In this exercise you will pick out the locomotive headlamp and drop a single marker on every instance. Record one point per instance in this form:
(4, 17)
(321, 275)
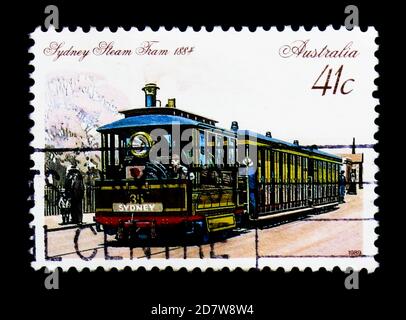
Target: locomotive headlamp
(140, 144)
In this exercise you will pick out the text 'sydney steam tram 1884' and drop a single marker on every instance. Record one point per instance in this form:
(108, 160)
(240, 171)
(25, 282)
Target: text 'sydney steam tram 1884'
(164, 169)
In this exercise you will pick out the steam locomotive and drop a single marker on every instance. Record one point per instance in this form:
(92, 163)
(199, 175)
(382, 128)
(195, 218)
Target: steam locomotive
(168, 170)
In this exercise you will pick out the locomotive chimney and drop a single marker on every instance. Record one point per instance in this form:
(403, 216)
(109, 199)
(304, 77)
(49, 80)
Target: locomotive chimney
(150, 90)
(268, 134)
(234, 126)
(171, 103)
(296, 142)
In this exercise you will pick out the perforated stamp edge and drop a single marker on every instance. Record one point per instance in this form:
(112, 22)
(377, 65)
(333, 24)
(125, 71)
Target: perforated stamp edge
(287, 264)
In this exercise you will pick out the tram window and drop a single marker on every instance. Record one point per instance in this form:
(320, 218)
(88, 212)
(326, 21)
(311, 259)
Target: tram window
(285, 168)
(265, 161)
(111, 149)
(127, 148)
(219, 151)
(187, 150)
(196, 146)
(337, 170)
(108, 145)
(259, 165)
(329, 172)
(299, 169)
(231, 151)
(268, 166)
(210, 145)
(116, 151)
(187, 157)
(168, 141)
(176, 147)
(290, 159)
(103, 143)
(276, 166)
(335, 173)
(282, 167)
(319, 171)
(122, 151)
(315, 171)
(202, 148)
(305, 169)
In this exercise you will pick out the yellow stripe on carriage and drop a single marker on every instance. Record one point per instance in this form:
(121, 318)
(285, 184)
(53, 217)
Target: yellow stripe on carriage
(220, 222)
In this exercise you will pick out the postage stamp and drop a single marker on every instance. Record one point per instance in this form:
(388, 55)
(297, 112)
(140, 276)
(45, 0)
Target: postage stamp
(235, 149)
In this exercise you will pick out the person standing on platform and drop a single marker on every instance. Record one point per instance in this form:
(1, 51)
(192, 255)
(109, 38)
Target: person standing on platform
(75, 191)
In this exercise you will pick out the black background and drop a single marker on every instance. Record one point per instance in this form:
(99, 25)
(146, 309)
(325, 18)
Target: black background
(131, 294)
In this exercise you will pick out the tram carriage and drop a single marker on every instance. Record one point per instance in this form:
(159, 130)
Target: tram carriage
(165, 169)
(290, 178)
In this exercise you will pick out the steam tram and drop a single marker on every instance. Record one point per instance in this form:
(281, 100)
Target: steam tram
(165, 169)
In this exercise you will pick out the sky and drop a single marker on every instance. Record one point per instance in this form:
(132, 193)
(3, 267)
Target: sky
(229, 76)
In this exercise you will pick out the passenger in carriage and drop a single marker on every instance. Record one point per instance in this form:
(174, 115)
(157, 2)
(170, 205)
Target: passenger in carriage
(179, 171)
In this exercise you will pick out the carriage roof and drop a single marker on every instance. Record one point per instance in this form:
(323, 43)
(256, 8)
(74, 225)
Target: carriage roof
(148, 117)
(281, 143)
(146, 121)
